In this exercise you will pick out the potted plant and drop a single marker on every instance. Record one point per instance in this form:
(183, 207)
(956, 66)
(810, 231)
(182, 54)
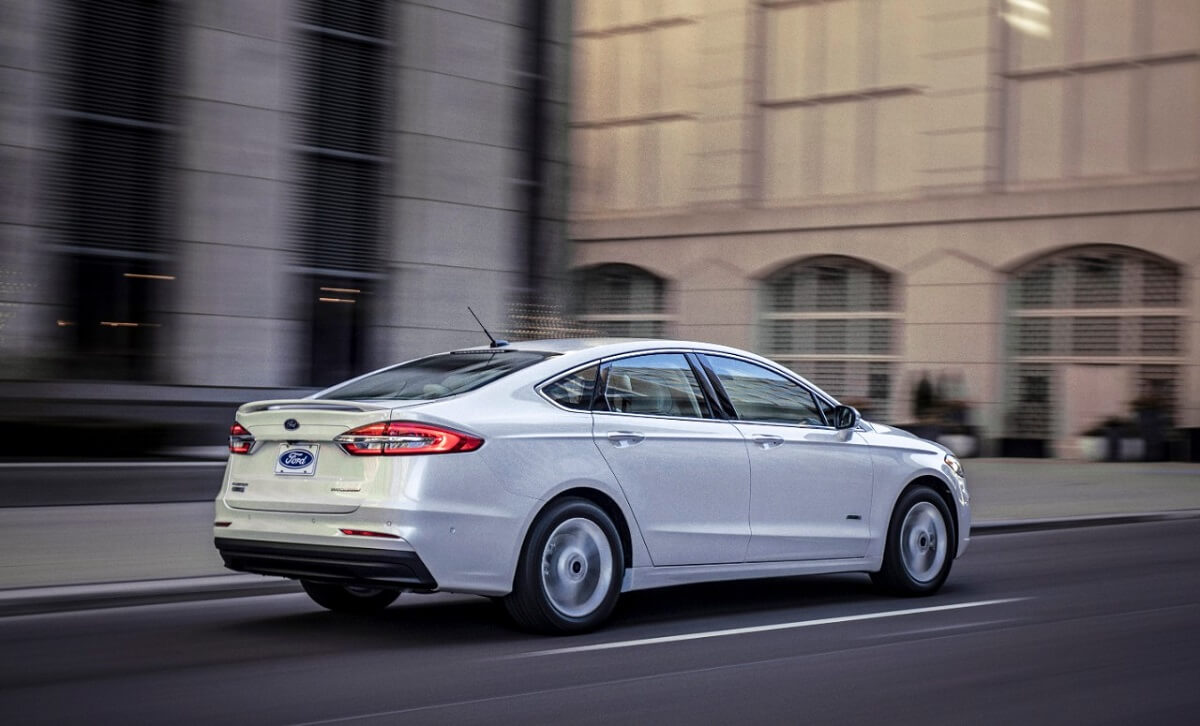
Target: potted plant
(1092, 444)
(1152, 412)
(959, 438)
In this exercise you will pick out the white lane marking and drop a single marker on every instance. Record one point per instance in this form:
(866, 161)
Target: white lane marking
(766, 628)
(940, 628)
(105, 464)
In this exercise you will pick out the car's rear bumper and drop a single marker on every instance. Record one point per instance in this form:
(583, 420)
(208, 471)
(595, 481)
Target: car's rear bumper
(319, 563)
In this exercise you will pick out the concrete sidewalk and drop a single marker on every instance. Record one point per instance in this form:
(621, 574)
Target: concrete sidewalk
(109, 552)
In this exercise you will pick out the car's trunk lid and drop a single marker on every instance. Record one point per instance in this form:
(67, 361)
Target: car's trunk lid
(295, 465)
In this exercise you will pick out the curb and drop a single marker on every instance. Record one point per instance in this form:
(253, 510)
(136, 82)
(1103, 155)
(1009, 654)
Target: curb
(1006, 526)
(61, 598)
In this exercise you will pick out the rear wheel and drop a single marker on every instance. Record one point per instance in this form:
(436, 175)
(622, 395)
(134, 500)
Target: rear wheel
(569, 575)
(349, 598)
(920, 544)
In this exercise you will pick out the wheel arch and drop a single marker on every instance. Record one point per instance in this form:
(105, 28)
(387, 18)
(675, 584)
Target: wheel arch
(942, 487)
(602, 500)
(595, 496)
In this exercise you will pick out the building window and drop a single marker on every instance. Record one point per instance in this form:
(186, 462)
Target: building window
(1092, 306)
(1107, 90)
(343, 171)
(833, 319)
(624, 301)
(634, 113)
(109, 197)
(839, 98)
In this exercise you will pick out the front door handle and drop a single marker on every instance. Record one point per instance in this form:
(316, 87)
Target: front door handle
(767, 441)
(621, 439)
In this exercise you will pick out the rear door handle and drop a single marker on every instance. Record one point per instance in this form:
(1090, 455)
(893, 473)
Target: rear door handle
(767, 441)
(621, 439)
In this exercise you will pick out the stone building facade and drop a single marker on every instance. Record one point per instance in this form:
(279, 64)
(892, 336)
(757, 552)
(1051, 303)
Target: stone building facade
(1002, 197)
(272, 193)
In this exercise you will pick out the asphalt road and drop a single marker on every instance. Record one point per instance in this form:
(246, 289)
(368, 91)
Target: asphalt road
(1092, 626)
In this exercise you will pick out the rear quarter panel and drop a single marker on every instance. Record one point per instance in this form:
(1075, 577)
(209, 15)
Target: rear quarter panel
(537, 450)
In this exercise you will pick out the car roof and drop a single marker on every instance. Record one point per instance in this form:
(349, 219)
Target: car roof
(593, 347)
(570, 352)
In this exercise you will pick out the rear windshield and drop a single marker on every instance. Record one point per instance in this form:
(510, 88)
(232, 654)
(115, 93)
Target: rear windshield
(436, 377)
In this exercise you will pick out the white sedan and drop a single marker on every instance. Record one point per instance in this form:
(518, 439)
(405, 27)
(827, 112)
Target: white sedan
(557, 474)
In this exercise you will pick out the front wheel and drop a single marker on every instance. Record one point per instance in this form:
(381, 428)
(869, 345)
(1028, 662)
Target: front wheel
(570, 572)
(920, 545)
(349, 598)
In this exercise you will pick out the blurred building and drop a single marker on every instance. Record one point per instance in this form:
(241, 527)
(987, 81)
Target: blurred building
(271, 193)
(1002, 196)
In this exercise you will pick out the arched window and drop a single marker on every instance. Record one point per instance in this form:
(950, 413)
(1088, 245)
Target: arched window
(623, 301)
(833, 319)
(1093, 332)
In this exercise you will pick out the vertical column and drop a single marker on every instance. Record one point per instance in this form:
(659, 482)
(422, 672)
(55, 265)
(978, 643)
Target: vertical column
(954, 317)
(233, 323)
(460, 157)
(27, 318)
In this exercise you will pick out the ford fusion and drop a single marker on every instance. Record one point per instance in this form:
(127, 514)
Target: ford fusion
(555, 475)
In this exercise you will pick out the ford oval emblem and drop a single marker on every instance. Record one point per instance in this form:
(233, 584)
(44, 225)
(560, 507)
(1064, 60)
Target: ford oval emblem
(291, 424)
(295, 459)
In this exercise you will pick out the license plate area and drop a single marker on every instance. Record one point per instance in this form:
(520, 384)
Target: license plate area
(296, 459)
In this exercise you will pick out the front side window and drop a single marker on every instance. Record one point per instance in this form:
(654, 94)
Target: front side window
(437, 376)
(573, 390)
(661, 384)
(760, 394)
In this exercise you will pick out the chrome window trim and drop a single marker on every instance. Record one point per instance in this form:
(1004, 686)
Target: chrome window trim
(817, 398)
(786, 373)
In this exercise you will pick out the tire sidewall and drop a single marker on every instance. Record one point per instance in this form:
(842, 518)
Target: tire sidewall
(893, 564)
(530, 575)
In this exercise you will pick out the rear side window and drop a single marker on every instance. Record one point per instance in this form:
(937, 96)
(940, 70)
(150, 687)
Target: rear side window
(573, 390)
(661, 384)
(435, 377)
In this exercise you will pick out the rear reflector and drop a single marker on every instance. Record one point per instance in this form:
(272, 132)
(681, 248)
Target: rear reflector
(240, 439)
(401, 438)
(222, 524)
(368, 533)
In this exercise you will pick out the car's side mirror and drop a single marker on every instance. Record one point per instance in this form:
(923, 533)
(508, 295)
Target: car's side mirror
(845, 417)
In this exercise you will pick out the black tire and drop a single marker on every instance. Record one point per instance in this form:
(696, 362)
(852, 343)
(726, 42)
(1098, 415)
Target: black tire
(580, 530)
(912, 565)
(348, 598)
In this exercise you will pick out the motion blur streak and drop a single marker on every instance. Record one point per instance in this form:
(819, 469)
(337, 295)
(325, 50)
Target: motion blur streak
(1110, 633)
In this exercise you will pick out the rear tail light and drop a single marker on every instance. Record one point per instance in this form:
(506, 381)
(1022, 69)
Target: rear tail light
(240, 440)
(400, 438)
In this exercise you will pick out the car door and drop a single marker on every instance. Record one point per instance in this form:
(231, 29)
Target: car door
(685, 473)
(810, 484)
